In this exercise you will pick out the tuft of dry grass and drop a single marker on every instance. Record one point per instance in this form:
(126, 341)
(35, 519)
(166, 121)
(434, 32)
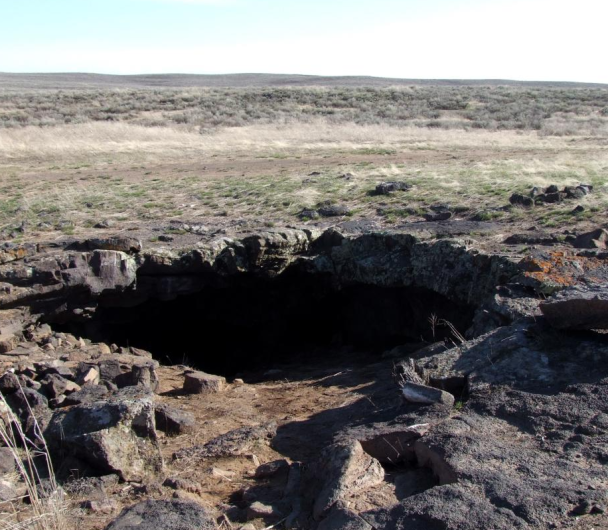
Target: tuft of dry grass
(47, 505)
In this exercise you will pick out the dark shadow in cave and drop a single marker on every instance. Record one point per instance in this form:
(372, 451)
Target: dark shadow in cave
(244, 322)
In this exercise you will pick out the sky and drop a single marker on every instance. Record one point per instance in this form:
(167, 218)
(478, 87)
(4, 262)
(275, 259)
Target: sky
(543, 40)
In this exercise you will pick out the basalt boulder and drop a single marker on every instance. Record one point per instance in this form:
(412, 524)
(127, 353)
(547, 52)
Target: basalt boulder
(578, 308)
(113, 436)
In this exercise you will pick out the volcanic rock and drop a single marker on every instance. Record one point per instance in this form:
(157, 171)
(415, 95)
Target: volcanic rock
(341, 470)
(578, 308)
(202, 383)
(384, 188)
(163, 515)
(521, 200)
(119, 243)
(417, 393)
(594, 239)
(116, 436)
(333, 210)
(173, 421)
(233, 443)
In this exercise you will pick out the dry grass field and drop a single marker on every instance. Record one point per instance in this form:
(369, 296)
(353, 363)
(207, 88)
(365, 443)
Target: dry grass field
(256, 157)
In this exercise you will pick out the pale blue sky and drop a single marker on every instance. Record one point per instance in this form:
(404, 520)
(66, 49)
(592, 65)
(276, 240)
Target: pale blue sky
(516, 39)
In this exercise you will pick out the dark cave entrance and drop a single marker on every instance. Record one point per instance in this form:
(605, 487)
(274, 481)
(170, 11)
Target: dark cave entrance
(244, 322)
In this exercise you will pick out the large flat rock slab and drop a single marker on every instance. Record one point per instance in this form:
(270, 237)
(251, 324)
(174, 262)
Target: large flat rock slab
(578, 308)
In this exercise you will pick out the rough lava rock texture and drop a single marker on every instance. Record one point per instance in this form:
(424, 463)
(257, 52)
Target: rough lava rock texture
(163, 515)
(117, 435)
(578, 308)
(342, 469)
(530, 446)
(233, 443)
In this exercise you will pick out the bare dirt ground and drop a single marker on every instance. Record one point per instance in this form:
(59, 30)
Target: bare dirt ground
(309, 399)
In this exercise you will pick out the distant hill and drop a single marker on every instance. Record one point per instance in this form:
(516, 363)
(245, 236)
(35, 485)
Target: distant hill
(69, 81)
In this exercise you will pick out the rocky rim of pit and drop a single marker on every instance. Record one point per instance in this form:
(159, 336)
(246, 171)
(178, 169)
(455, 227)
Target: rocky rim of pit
(502, 425)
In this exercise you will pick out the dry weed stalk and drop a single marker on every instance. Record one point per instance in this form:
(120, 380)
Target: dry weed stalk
(47, 508)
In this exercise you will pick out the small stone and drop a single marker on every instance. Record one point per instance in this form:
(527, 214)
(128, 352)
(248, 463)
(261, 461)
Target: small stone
(595, 239)
(9, 383)
(417, 393)
(57, 402)
(106, 506)
(574, 192)
(8, 342)
(8, 491)
(29, 383)
(109, 370)
(106, 223)
(88, 394)
(103, 348)
(173, 421)
(552, 198)
(579, 209)
(264, 511)
(185, 496)
(55, 385)
(333, 210)
(271, 469)
(521, 200)
(222, 473)
(39, 334)
(143, 374)
(308, 213)
(254, 459)
(7, 460)
(140, 353)
(385, 188)
(182, 484)
(202, 383)
(441, 216)
(238, 381)
(91, 376)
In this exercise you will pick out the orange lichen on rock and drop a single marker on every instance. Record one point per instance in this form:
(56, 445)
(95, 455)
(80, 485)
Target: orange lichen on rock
(560, 268)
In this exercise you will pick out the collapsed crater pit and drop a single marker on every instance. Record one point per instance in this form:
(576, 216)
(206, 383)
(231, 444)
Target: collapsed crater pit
(249, 322)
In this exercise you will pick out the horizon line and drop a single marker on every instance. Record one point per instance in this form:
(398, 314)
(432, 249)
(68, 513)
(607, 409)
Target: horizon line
(317, 76)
